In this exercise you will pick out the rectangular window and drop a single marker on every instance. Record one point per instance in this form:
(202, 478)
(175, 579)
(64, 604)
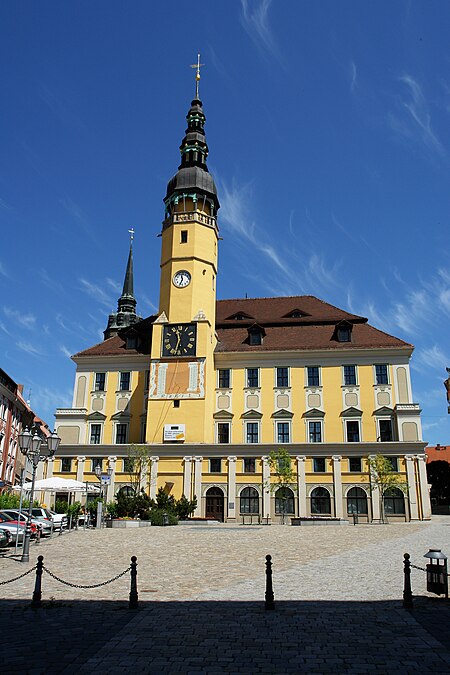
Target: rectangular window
(319, 465)
(255, 337)
(252, 435)
(394, 463)
(100, 380)
(96, 432)
(215, 465)
(124, 381)
(385, 431)
(381, 374)
(96, 461)
(352, 427)
(354, 464)
(282, 377)
(252, 377)
(184, 236)
(128, 465)
(223, 432)
(66, 465)
(283, 432)
(315, 432)
(250, 465)
(313, 376)
(121, 433)
(224, 378)
(349, 375)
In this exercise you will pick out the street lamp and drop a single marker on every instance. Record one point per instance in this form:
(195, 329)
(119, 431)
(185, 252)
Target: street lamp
(30, 446)
(98, 473)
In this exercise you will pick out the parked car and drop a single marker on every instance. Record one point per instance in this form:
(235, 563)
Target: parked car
(22, 518)
(41, 513)
(16, 530)
(5, 537)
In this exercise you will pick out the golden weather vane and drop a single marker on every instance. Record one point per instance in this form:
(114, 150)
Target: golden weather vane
(197, 65)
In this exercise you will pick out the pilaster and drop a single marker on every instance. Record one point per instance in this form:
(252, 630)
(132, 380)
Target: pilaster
(231, 488)
(153, 476)
(337, 481)
(198, 485)
(80, 468)
(266, 487)
(412, 491)
(187, 473)
(423, 487)
(301, 486)
(376, 515)
(112, 461)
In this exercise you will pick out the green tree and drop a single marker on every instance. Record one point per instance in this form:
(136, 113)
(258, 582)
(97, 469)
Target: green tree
(136, 464)
(281, 471)
(385, 479)
(185, 507)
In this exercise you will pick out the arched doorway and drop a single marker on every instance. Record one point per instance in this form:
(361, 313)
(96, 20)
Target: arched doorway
(214, 504)
(357, 502)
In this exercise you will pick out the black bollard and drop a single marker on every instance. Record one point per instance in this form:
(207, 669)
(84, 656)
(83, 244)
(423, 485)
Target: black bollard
(37, 593)
(269, 604)
(407, 594)
(133, 602)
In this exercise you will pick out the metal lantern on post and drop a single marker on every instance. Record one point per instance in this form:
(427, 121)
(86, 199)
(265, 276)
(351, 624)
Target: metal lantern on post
(30, 446)
(437, 579)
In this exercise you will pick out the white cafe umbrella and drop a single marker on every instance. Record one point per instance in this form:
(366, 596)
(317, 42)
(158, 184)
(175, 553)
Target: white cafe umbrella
(59, 485)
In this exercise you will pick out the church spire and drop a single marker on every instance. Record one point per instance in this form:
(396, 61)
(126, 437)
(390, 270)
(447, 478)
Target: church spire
(126, 305)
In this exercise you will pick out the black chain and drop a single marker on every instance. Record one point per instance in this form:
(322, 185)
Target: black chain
(104, 583)
(9, 581)
(422, 569)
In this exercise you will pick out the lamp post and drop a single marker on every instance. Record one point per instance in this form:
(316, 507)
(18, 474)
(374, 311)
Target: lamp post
(98, 473)
(30, 446)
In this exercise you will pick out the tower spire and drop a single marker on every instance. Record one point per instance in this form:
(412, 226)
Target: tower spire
(126, 305)
(197, 66)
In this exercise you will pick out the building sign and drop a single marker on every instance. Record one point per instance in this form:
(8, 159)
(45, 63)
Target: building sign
(105, 479)
(174, 432)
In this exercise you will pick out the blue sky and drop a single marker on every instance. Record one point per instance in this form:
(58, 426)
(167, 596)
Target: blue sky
(328, 129)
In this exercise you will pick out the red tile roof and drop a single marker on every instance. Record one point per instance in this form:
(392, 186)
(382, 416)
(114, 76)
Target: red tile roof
(315, 329)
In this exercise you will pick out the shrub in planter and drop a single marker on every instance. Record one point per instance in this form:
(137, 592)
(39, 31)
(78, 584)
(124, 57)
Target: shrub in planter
(156, 517)
(185, 507)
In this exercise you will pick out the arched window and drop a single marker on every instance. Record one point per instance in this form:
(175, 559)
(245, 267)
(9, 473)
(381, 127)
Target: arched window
(284, 501)
(394, 502)
(320, 501)
(126, 491)
(249, 500)
(357, 501)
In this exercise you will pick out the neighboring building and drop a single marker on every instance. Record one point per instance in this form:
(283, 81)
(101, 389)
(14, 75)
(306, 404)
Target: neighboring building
(213, 386)
(438, 453)
(15, 413)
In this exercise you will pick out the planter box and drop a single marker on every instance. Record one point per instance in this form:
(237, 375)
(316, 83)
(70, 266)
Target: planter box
(128, 523)
(318, 520)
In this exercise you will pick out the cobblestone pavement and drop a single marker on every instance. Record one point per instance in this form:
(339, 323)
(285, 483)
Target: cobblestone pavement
(201, 590)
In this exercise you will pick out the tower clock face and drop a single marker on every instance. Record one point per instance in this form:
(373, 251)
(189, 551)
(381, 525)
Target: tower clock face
(179, 340)
(181, 279)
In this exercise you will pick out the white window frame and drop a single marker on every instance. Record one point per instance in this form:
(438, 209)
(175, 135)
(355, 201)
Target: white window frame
(282, 386)
(375, 374)
(314, 365)
(127, 426)
(352, 419)
(288, 422)
(218, 378)
(258, 423)
(347, 365)
(119, 378)
(247, 386)
(385, 419)
(217, 432)
(322, 426)
(100, 424)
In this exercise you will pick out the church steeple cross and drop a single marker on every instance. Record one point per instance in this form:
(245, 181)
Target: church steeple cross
(197, 65)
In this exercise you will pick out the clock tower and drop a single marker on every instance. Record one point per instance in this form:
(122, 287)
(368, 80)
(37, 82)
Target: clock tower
(181, 383)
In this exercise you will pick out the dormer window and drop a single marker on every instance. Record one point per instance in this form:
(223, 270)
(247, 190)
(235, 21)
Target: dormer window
(255, 335)
(131, 342)
(296, 314)
(343, 332)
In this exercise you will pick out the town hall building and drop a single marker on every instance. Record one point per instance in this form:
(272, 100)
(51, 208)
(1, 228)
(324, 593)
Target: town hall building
(211, 387)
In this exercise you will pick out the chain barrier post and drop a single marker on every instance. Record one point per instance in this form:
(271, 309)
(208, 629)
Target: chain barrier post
(407, 594)
(133, 601)
(269, 597)
(38, 535)
(37, 594)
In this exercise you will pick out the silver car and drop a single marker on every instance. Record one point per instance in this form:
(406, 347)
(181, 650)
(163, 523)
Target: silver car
(58, 519)
(16, 530)
(45, 527)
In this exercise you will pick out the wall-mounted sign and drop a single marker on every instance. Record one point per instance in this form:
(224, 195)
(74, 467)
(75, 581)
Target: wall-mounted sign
(174, 432)
(105, 479)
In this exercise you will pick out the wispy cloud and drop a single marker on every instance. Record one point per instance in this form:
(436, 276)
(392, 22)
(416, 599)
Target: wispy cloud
(3, 271)
(52, 284)
(145, 300)
(25, 320)
(97, 292)
(65, 351)
(77, 214)
(5, 206)
(117, 288)
(28, 348)
(412, 118)
(63, 110)
(255, 20)
(4, 329)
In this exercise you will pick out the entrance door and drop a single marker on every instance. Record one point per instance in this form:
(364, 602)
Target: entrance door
(214, 504)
